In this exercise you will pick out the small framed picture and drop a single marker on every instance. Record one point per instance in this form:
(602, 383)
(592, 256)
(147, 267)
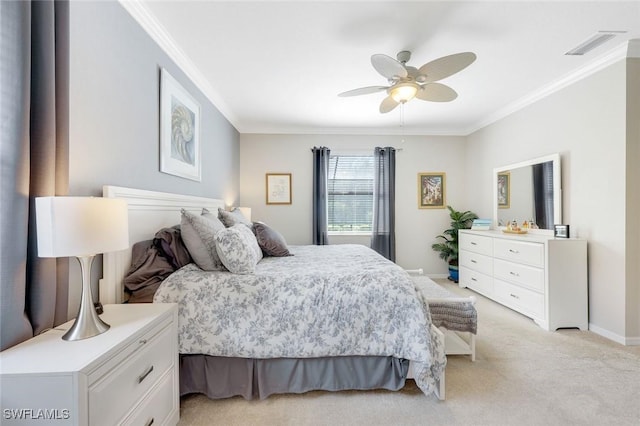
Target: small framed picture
(504, 190)
(278, 188)
(561, 231)
(431, 190)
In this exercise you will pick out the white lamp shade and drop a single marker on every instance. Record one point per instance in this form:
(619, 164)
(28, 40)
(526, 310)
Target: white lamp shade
(246, 212)
(81, 226)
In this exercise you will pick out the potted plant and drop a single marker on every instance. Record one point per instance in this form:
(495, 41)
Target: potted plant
(448, 245)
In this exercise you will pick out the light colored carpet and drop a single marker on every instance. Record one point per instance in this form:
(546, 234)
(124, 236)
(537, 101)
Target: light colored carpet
(522, 375)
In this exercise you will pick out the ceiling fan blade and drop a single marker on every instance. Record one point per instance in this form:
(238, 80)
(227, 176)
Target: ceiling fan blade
(388, 67)
(436, 92)
(363, 91)
(446, 66)
(388, 104)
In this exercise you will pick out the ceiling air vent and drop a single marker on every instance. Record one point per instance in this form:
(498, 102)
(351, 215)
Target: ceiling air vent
(594, 41)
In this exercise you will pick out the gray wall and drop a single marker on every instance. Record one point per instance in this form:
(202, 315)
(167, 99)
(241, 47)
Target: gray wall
(114, 120)
(114, 111)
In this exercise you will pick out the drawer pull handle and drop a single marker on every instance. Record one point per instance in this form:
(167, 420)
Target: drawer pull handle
(514, 251)
(514, 296)
(473, 243)
(143, 341)
(515, 274)
(473, 279)
(145, 374)
(473, 261)
(150, 422)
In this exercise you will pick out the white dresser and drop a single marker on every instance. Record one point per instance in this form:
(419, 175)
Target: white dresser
(542, 277)
(127, 375)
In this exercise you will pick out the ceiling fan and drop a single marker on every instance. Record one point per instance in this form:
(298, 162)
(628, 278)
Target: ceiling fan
(407, 82)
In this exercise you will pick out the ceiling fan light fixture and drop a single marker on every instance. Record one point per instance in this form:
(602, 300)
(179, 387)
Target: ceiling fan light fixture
(404, 92)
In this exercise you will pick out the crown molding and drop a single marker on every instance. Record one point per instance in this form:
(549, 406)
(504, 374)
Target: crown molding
(623, 51)
(161, 36)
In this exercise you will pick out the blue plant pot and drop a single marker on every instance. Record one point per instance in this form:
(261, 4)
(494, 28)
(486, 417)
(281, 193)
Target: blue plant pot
(453, 274)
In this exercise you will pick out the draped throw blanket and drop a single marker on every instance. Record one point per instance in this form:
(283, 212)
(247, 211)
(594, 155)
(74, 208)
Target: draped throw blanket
(383, 239)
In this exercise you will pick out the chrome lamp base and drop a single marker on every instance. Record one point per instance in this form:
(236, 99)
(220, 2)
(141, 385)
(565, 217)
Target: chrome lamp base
(87, 323)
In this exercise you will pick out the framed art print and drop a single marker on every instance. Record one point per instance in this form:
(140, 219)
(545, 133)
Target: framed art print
(504, 190)
(278, 188)
(431, 190)
(179, 130)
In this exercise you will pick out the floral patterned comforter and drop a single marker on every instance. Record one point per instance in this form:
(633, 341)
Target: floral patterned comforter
(334, 300)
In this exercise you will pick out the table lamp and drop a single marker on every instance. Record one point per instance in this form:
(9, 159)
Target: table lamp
(82, 227)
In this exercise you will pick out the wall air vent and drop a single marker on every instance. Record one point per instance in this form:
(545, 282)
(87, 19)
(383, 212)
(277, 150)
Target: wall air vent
(594, 41)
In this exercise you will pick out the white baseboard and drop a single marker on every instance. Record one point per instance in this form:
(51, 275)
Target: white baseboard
(626, 341)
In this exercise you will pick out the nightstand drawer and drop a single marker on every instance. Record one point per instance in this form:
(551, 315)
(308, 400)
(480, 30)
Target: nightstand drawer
(111, 397)
(526, 276)
(476, 262)
(158, 405)
(476, 243)
(519, 251)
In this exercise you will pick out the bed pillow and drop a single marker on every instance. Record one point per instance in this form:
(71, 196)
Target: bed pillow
(198, 234)
(212, 217)
(270, 241)
(233, 217)
(238, 249)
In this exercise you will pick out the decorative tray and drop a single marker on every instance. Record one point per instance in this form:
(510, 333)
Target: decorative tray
(510, 231)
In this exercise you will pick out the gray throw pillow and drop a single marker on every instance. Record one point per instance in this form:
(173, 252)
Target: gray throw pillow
(238, 249)
(198, 234)
(233, 217)
(212, 217)
(270, 241)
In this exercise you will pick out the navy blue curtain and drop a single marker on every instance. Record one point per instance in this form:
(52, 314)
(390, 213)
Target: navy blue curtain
(320, 180)
(383, 238)
(543, 194)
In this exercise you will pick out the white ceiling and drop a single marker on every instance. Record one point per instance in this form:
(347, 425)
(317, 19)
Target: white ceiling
(277, 67)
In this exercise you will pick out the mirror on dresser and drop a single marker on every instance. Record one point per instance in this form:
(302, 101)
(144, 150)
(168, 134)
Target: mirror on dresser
(530, 190)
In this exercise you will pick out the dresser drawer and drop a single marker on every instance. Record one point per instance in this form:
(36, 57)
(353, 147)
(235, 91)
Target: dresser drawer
(476, 262)
(519, 251)
(476, 281)
(476, 243)
(528, 302)
(156, 407)
(145, 360)
(527, 276)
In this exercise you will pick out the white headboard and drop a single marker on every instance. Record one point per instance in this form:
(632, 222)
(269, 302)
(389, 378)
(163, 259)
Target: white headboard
(149, 211)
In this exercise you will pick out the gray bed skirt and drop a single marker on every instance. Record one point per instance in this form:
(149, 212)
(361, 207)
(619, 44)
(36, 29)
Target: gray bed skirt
(220, 377)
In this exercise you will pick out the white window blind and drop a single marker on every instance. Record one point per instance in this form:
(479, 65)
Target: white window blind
(350, 193)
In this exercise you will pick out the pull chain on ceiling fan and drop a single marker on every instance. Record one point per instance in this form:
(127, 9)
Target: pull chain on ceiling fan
(407, 82)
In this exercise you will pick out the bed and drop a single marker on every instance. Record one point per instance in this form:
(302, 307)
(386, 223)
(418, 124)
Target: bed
(379, 340)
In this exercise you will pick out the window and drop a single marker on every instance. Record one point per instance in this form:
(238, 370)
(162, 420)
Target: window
(350, 193)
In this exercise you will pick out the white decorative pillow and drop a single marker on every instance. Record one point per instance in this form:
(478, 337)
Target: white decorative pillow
(198, 234)
(238, 249)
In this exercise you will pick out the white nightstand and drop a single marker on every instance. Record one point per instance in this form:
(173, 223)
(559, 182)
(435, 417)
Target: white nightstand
(127, 375)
